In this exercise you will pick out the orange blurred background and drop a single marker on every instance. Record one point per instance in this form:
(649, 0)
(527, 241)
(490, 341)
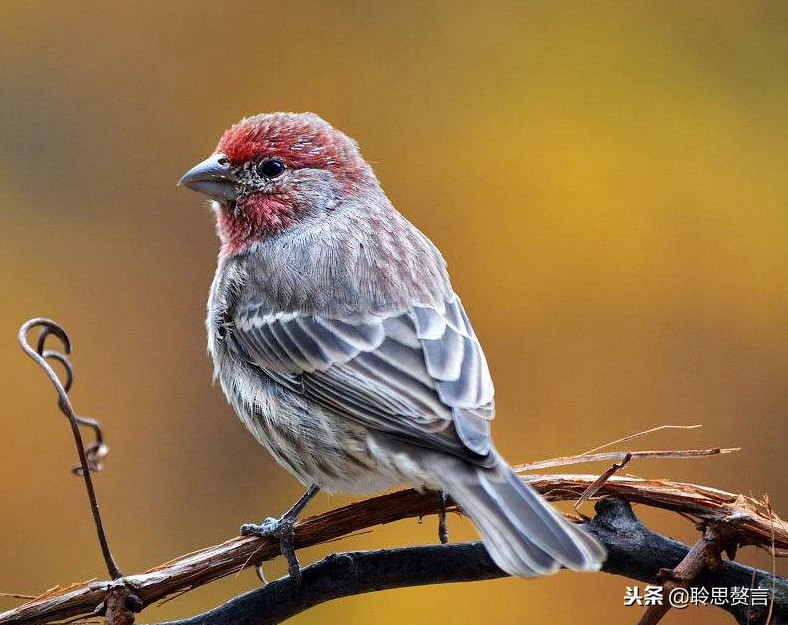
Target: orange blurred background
(607, 182)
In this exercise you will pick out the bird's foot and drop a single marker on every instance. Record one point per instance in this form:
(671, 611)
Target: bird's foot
(283, 529)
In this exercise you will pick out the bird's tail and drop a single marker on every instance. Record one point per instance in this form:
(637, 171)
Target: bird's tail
(524, 535)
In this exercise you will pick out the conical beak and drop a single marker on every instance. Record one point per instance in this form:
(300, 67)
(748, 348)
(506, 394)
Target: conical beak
(213, 177)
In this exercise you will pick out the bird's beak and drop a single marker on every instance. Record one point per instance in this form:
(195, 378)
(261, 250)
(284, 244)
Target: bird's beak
(213, 177)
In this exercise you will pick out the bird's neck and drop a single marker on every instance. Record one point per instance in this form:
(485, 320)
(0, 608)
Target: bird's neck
(252, 219)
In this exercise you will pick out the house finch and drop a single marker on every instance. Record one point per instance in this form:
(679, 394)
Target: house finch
(338, 339)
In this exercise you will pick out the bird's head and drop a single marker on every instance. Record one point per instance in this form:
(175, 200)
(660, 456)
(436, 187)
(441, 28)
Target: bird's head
(271, 171)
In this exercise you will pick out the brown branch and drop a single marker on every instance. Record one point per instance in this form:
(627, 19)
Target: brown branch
(633, 551)
(593, 489)
(750, 519)
(705, 554)
(620, 456)
(121, 598)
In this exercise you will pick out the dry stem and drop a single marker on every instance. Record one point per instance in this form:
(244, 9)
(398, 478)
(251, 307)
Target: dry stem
(751, 519)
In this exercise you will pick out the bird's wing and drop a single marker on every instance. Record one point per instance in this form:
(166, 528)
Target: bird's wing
(419, 374)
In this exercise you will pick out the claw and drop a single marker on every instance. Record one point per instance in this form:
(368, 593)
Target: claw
(282, 528)
(258, 568)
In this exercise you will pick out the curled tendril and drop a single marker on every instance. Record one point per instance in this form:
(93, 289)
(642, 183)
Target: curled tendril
(96, 452)
(90, 457)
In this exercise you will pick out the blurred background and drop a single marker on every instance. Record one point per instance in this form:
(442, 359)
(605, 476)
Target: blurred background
(608, 184)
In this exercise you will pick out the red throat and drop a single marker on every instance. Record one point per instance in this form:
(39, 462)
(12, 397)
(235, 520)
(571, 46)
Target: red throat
(255, 217)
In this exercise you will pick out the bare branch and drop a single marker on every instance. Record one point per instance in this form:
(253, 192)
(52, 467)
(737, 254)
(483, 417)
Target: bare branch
(89, 457)
(634, 552)
(632, 549)
(620, 456)
(589, 492)
(704, 554)
(746, 515)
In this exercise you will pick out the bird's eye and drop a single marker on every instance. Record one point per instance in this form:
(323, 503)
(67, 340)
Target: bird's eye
(271, 168)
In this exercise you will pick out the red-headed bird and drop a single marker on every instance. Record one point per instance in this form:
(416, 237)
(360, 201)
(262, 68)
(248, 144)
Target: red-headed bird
(337, 337)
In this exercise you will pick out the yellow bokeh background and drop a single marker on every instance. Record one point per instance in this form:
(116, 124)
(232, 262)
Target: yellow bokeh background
(606, 180)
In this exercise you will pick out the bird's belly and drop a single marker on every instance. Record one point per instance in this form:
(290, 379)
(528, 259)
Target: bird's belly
(316, 446)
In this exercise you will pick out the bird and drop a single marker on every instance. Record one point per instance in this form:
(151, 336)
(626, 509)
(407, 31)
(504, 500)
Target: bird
(339, 341)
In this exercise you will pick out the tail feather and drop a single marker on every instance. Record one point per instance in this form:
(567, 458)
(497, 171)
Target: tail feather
(524, 534)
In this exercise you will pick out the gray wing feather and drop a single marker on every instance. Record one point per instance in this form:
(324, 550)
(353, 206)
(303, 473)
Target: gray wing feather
(336, 349)
(418, 374)
(365, 335)
(444, 356)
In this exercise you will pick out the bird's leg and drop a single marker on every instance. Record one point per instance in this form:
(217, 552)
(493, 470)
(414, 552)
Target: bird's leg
(443, 530)
(282, 528)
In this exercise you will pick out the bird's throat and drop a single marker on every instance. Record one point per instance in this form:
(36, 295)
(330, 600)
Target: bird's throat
(251, 219)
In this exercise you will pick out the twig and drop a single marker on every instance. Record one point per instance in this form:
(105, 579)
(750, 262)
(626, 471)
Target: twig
(613, 456)
(600, 481)
(40, 356)
(120, 599)
(704, 554)
(643, 433)
(96, 452)
(634, 551)
(201, 567)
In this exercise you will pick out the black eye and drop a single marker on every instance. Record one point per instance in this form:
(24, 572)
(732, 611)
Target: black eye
(271, 168)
